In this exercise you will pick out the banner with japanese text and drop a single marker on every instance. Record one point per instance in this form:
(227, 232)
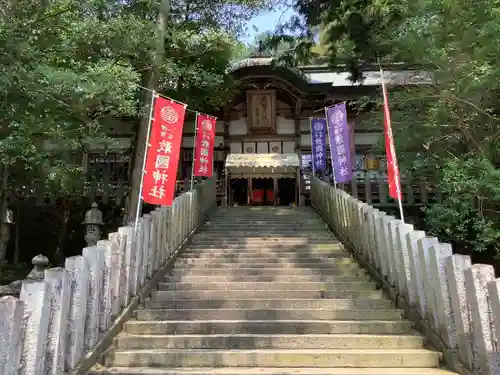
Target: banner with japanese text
(162, 158)
(318, 138)
(204, 146)
(340, 139)
(393, 178)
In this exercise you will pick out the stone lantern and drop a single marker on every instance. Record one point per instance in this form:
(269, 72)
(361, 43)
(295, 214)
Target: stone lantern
(93, 222)
(5, 233)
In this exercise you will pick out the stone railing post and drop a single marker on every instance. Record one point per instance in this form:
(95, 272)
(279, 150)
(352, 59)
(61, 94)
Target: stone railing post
(477, 278)
(63, 313)
(79, 275)
(457, 301)
(455, 273)
(58, 280)
(36, 296)
(12, 332)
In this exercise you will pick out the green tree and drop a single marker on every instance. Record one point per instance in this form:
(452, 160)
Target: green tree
(448, 131)
(65, 72)
(453, 124)
(195, 41)
(69, 68)
(62, 78)
(261, 45)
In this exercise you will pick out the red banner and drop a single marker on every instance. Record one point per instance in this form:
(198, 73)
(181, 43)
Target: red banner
(204, 146)
(162, 158)
(392, 161)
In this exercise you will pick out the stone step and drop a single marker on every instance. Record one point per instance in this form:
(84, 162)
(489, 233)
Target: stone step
(266, 224)
(264, 219)
(263, 215)
(274, 278)
(265, 211)
(268, 241)
(246, 226)
(344, 271)
(260, 285)
(269, 327)
(266, 262)
(242, 341)
(270, 230)
(267, 248)
(263, 254)
(283, 211)
(275, 358)
(271, 224)
(287, 244)
(267, 371)
(270, 314)
(263, 304)
(233, 236)
(165, 295)
(336, 265)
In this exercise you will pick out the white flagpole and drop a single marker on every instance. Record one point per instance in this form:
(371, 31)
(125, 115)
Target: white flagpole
(141, 185)
(312, 147)
(330, 148)
(391, 139)
(191, 185)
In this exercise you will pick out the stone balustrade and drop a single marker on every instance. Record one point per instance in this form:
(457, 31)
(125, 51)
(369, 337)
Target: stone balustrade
(455, 304)
(64, 316)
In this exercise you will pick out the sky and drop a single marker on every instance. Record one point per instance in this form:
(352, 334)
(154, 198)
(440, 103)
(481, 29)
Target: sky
(266, 21)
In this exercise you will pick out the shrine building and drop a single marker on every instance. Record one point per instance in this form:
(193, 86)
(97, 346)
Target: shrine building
(263, 138)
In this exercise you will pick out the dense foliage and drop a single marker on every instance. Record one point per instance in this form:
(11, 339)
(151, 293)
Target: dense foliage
(57, 86)
(70, 67)
(70, 71)
(448, 131)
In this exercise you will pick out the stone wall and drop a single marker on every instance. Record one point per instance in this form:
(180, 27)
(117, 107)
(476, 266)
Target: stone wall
(455, 304)
(60, 321)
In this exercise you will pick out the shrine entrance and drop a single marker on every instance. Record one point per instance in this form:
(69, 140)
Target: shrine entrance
(267, 179)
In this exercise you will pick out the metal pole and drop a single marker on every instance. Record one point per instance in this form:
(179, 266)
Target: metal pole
(330, 148)
(146, 145)
(312, 147)
(400, 206)
(394, 162)
(194, 151)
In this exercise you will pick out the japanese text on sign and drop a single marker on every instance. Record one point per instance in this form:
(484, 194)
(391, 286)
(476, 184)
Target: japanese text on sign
(204, 146)
(162, 157)
(318, 132)
(339, 142)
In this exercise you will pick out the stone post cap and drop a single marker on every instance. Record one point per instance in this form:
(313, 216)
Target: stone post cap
(40, 264)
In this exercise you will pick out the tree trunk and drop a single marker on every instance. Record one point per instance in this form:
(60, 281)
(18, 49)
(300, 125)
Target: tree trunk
(62, 232)
(4, 191)
(156, 60)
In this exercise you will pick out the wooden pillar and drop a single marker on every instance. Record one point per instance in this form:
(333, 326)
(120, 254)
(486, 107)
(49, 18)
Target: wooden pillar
(249, 190)
(297, 188)
(298, 151)
(275, 190)
(226, 188)
(226, 181)
(298, 106)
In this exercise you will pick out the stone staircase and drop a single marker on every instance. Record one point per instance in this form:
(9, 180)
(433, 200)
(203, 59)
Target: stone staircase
(268, 291)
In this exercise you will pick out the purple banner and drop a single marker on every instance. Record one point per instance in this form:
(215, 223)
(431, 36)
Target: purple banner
(340, 148)
(318, 138)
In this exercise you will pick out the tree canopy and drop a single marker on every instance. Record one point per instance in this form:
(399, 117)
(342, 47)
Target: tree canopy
(68, 67)
(448, 131)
